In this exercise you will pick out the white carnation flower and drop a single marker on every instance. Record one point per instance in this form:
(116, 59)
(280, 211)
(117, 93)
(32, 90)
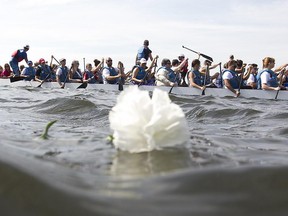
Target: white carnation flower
(142, 124)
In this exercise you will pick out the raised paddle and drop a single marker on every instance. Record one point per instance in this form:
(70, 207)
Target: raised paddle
(201, 54)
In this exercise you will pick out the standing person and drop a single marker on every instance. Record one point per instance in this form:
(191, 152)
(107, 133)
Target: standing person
(165, 76)
(144, 52)
(62, 73)
(267, 79)
(183, 71)
(43, 71)
(17, 57)
(7, 71)
(230, 78)
(111, 74)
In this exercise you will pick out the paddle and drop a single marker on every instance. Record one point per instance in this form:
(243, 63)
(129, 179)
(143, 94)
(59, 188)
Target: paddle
(16, 78)
(280, 83)
(44, 80)
(120, 83)
(205, 77)
(84, 84)
(201, 54)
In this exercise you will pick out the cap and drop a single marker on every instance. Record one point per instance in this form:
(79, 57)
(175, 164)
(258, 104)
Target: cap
(182, 55)
(143, 60)
(62, 59)
(26, 47)
(41, 60)
(29, 62)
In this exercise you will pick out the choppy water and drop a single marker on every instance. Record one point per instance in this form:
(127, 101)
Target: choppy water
(235, 163)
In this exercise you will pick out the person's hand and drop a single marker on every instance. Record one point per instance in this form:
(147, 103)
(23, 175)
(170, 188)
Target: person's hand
(237, 94)
(277, 88)
(203, 88)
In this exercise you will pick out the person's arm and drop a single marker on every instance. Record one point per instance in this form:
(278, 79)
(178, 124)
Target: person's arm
(280, 68)
(214, 66)
(264, 80)
(191, 77)
(247, 75)
(152, 64)
(134, 75)
(228, 86)
(179, 67)
(106, 74)
(161, 76)
(150, 56)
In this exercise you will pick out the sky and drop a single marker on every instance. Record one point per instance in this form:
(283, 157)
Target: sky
(93, 29)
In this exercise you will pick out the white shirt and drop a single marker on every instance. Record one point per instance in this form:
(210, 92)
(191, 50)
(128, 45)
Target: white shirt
(251, 79)
(59, 72)
(162, 78)
(106, 73)
(227, 75)
(265, 77)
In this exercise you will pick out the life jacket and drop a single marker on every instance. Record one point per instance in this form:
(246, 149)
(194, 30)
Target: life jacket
(89, 75)
(113, 72)
(64, 75)
(19, 55)
(141, 73)
(198, 79)
(77, 75)
(30, 72)
(272, 82)
(44, 72)
(170, 75)
(234, 82)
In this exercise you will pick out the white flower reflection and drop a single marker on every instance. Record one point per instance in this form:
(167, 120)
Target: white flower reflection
(142, 124)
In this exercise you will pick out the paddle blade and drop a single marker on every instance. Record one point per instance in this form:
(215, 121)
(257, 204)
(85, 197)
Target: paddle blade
(207, 57)
(120, 86)
(16, 78)
(83, 85)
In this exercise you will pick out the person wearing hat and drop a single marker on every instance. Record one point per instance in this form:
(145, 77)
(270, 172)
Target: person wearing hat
(144, 52)
(29, 72)
(18, 56)
(141, 73)
(62, 75)
(43, 71)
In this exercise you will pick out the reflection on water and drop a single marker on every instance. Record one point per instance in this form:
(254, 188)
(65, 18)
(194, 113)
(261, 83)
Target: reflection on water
(158, 162)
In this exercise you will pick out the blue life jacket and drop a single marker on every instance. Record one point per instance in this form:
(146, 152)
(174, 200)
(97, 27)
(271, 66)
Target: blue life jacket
(30, 72)
(234, 82)
(198, 79)
(77, 75)
(143, 53)
(170, 75)
(141, 73)
(45, 71)
(63, 77)
(272, 82)
(19, 55)
(90, 76)
(113, 72)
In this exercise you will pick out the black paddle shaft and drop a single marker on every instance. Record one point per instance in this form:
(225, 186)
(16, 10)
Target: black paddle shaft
(201, 54)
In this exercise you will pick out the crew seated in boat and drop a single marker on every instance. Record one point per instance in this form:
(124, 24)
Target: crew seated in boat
(141, 74)
(165, 76)
(62, 73)
(75, 74)
(7, 72)
(43, 71)
(206, 70)
(230, 78)
(250, 78)
(268, 79)
(88, 75)
(29, 72)
(178, 67)
(194, 77)
(97, 70)
(112, 75)
(285, 79)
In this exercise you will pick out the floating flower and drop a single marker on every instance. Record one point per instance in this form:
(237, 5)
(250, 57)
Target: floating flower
(142, 124)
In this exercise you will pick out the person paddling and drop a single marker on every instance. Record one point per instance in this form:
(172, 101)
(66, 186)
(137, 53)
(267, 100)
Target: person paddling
(43, 71)
(230, 78)
(29, 72)
(141, 73)
(112, 75)
(195, 78)
(62, 73)
(267, 79)
(165, 76)
(18, 56)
